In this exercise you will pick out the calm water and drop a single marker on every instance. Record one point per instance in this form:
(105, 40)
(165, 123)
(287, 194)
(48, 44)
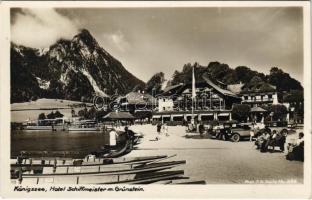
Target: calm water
(85, 142)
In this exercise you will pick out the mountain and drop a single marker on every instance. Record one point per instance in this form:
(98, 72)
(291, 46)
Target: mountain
(241, 74)
(73, 69)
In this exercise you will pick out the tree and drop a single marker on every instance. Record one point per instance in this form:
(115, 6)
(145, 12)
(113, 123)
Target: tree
(278, 111)
(245, 74)
(91, 113)
(73, 113)
(240, 112)
(282, 80)
(100, 114)
(41, 116)
(81, 113)
(51, 115)
(57, 114)
(155, 83)
(294, 96)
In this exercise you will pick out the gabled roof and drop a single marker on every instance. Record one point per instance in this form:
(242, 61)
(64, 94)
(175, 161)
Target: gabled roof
(219, 89)
(118, 115)
(171, 88)
(235, 88)
(257, 85)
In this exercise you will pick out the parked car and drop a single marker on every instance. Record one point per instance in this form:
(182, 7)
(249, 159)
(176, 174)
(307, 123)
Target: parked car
(279, 126)
(240, 132)
(234, 132)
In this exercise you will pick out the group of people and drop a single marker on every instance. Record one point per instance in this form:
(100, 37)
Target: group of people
(267, 138)
(115, 137)
(296, 150)
(196, 127)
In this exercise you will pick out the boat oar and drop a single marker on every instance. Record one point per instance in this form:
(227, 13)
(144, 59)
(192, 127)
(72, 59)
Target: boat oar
(165, 158)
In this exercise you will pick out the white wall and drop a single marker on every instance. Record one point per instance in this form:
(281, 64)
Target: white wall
(165, 104)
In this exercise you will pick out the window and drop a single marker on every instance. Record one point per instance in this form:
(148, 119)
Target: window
(164, 108)
(270, 96)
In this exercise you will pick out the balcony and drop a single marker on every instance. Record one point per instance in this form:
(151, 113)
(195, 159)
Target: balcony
(264, 100)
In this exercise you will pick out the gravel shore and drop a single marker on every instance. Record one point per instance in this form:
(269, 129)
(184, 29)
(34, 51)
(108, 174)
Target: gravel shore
(219, 162)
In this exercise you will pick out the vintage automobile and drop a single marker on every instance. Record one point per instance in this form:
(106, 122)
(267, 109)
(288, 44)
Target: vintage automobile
(280, 126)
(234, 132)
(240, 131)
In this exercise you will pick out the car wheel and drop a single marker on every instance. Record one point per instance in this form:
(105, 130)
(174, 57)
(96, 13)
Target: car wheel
(235, 137)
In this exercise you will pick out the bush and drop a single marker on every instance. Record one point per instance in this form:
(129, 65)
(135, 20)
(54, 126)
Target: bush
(279, 111)
(41, 116)
(240, 112)
(51, 115)
(57, 114)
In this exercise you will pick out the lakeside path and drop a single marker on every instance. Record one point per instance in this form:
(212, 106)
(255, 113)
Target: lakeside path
(216, 161)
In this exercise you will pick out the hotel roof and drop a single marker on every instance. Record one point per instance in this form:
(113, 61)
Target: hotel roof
(219, 89)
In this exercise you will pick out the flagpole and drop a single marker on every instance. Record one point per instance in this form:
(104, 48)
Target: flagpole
(193, 95)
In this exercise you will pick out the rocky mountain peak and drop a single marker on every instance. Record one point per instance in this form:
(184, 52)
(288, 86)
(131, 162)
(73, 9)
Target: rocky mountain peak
(85, 39)
(73, 68)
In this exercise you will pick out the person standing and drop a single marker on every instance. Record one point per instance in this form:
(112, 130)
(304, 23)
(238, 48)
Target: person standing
(163, 128)
(201, 129)
(113, 138)
(252, 132)
(166, 129)
(158, 128)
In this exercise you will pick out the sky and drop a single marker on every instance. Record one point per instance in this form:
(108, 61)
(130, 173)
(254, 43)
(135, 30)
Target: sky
(151, 40)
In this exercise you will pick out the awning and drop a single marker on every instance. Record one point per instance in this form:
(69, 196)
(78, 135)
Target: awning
(177, 115)
(166, 116)
(223, 114)
(257, 109)
(206, 114)
(156, 116)
(191, 115)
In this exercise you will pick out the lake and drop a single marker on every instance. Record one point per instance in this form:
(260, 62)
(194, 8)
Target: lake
(84, 142)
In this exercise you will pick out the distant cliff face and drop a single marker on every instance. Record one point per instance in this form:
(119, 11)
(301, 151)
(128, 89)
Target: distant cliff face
(70, 69)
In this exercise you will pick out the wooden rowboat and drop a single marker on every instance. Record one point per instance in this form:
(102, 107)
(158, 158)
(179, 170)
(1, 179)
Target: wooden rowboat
(36, 163)
(96, 176)
(100, 172)
(165, 176)
(112, 179)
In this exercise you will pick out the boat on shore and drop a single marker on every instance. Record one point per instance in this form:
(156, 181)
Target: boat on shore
(153, 177)
(99, 170)
(30, 164)
(94, 175)
(166, 176)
